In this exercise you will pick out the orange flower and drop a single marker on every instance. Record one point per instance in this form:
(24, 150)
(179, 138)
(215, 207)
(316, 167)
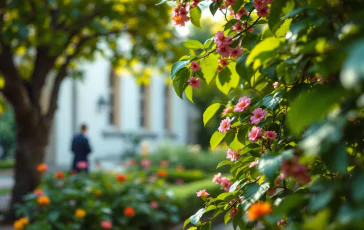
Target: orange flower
(43, 200)
(129, 211)
(121, 178)
(162, 173)
(38, 192)
(20, 224)
(80, 213)
(98, 193)
(42, 168)
(257, 210)
(59, 175)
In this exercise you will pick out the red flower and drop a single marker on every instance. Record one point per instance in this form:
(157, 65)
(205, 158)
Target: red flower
(129, 211)
(121, 178)
(59, 175)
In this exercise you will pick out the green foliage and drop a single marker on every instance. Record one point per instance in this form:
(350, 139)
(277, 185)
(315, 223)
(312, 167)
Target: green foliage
(297, 144)
(7, 130)
(102, 198)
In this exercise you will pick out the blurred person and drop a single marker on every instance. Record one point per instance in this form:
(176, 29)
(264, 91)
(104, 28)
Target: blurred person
(81, 149)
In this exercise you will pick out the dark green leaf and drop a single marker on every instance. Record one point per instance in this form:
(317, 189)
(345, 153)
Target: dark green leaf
(271, 101)
(224, 162)
(242, 69)
(214, 7)
(178, 66)
(180, 81)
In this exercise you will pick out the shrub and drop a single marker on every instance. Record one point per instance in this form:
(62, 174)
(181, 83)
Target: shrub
(176, 176)
(186, 157)
(85, 202)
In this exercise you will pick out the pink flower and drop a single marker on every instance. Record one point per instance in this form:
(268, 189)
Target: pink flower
(258, 114)
(226, 111)
(164, 163)
(232, 155)
(221, 39)
(194, 82)
(236, 52)
(106, 224)
(238, 27)
(233, 212)
(179, 16)
(240, 13)
(223, 62)
(224, 125)
(275, 85)
(225, 183)
(145, 163)
(195, 66)
(179, 181)
(253, 164)
(242, 104)
(255, 134)
(263, 12)
(271, 135)
(154, 204)
(294, 169)
(217, 178)
(194, 3)
(82, 164)
(202, 193)
(223, 50)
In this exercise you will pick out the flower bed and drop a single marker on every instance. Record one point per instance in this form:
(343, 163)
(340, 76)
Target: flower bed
(98, 201)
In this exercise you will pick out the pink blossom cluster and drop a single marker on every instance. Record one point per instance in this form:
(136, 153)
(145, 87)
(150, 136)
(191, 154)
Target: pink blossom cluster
(242, 104)
(202, 193)
(239, 13)
(223, 47)
(226, 111)
(232, 155)
(256, 133)
(258, 115)
(291, 168)
(194, 82)
(180, 15)
(239, 27)
(224, 182)
(254, 163)
(224, 125)
(262, 7)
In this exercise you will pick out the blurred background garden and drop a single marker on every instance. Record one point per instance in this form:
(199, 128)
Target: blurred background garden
(150, 149)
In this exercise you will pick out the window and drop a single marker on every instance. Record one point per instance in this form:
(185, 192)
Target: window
(144, 106)
(114, 99)
(167, 109)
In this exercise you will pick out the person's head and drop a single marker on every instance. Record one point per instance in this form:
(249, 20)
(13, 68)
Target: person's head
(84, 128)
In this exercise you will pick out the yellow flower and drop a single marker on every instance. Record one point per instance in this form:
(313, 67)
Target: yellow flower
(80, 213)
(20, 224)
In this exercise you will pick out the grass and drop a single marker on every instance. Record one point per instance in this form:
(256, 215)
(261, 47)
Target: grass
(5, 191)
(7, 164)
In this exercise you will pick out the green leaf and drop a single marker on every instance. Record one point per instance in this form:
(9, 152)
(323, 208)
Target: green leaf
(214, 7)
(227, 217)
(253, 191)
(223, 196)
(186, 222)
(195, 15)
(189, 93)
(271, 101)
(180, 81)
(352, 73)
(318, 221)
(192, 44)
(227, 79)
(263, 51)
(242, 69)
(312, 106)
(337, 160)
(358, 186)
(206, 226)
(233, 142)
(208, 67)
(210, 112)
(224, 162)
(196, 218)
(277, 9)
(216, 139)
(238, 4)
(178, 66)
(235, 185)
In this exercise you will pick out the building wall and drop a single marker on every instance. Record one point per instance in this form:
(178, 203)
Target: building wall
(106, 140)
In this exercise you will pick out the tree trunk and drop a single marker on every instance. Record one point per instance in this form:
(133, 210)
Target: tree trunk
(31, 139)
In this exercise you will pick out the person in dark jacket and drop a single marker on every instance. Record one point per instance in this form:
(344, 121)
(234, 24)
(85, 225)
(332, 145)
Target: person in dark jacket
(81, 149)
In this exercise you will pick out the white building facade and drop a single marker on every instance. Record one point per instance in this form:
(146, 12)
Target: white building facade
(114, 106)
